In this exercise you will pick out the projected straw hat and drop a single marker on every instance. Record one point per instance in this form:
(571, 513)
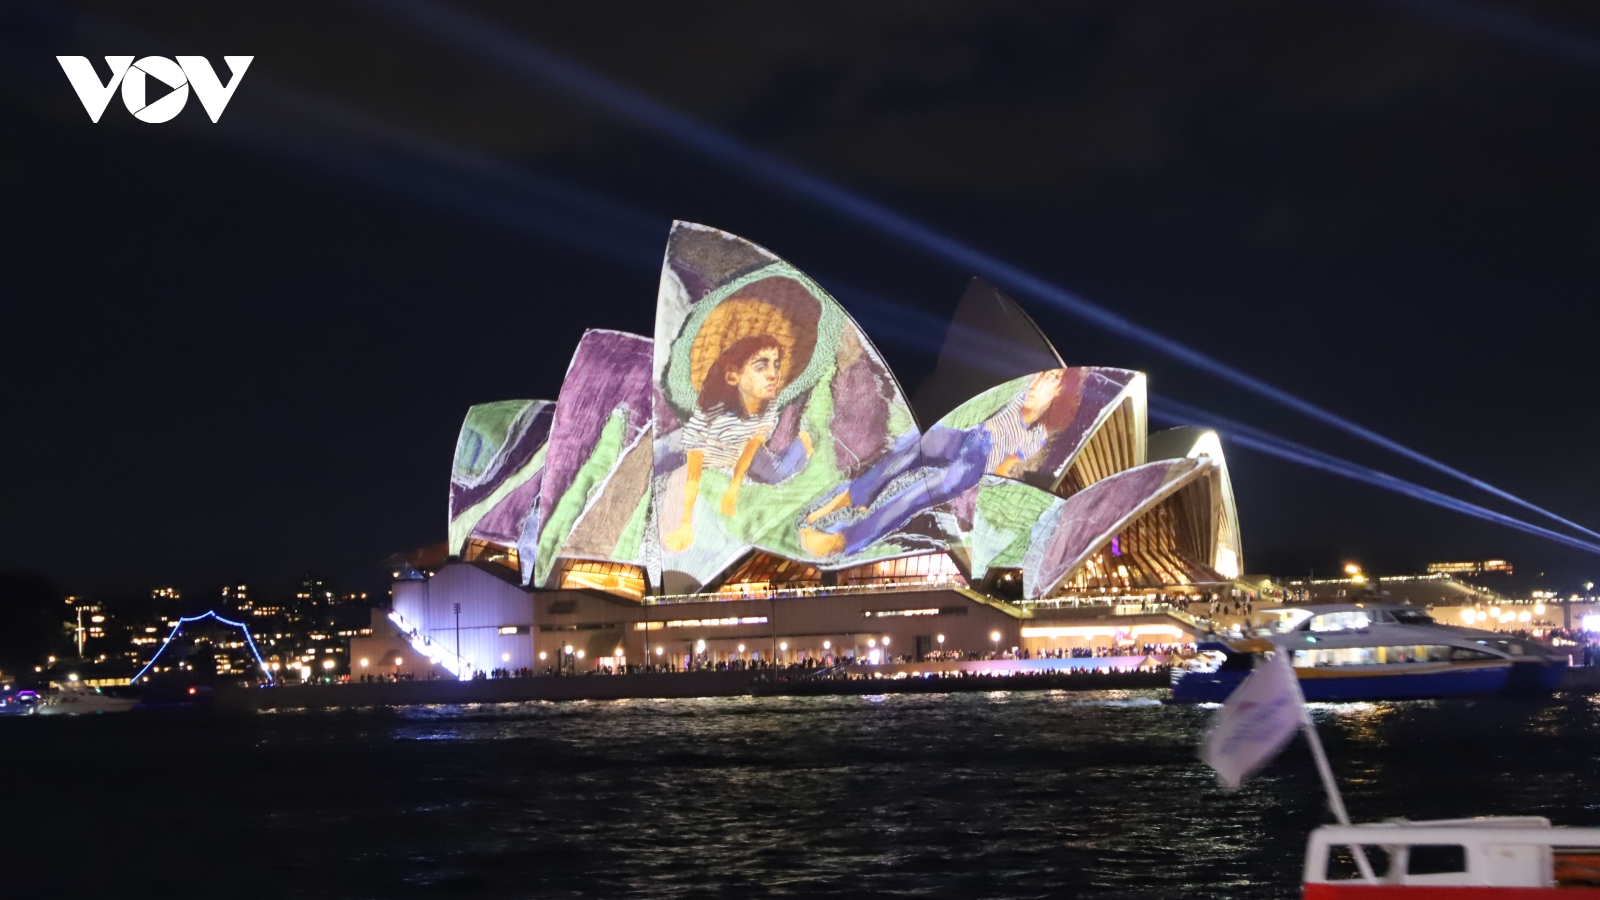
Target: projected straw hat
(779, 307)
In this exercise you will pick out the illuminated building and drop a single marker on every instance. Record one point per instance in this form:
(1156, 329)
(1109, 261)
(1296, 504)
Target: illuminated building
(1471, 568)
(750, 482)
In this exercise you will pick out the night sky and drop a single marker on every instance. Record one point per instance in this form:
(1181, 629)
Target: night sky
(243, 350)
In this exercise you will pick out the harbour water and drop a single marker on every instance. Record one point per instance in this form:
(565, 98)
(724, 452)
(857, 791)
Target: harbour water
(1008, 794)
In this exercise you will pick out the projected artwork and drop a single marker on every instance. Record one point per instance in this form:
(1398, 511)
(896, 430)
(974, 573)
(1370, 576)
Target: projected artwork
(595, 491)
(760, 418)
(1068, 533)
(768, 398)
(1028, 429)
(1033, 427)
(495, 480)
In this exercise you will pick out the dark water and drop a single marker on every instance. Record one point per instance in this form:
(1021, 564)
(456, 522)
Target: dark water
(967, 795)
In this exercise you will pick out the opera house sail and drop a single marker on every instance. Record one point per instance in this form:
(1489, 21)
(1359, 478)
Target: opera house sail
(757, 451)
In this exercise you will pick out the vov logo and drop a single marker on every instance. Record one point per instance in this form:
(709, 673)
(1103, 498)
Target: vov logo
(133, 77)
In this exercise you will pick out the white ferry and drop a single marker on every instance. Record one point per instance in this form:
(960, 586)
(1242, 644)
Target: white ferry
(1469, 859)
(1370, 652)
(72, 698)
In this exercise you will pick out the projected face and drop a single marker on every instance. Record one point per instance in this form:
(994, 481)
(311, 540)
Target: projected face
(757, 380)
(1042, 392)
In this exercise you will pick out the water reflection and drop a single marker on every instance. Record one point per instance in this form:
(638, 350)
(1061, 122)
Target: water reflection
(960, 795)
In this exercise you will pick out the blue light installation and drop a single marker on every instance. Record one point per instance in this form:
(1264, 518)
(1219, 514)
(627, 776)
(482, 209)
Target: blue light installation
(491, 42)
(1262, 442)
(551, 210)
(209, 614)
(901, 324)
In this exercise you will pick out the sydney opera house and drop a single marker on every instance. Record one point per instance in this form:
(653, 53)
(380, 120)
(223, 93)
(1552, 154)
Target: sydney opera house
(751, 482)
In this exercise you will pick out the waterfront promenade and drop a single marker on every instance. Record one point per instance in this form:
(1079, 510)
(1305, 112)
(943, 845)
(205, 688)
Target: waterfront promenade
(668, 685)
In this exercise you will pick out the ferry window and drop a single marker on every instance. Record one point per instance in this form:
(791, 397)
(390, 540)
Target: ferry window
(1460, 653)
(1436, 859)
(1412, 617)
(1341, 621)
(1416, 653)
(1235, 662)
(1342, 862)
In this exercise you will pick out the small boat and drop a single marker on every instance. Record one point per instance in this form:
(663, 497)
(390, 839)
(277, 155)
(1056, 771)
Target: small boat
(1482, 859)
(1506, 858)
(23, 702)
(1349, 652)
(74, 698)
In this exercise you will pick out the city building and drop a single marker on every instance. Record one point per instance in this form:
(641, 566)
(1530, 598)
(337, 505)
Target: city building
(750, 483)
(1471, 568)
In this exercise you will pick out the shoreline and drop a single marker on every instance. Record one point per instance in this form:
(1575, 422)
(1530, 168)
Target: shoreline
(657, 686)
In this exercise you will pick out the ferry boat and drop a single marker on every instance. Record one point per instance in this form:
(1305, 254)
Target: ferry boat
(1507, 857)
(72, 698)
(1358, 651)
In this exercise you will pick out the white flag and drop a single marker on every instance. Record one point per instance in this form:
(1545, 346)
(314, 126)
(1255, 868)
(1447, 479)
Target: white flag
(1261, 715)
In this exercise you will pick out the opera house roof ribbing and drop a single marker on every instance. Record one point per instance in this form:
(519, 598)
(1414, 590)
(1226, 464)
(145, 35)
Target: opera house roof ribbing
(758, 440)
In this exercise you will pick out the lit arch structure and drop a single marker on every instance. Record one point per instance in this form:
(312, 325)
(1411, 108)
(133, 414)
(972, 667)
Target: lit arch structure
(209, 614)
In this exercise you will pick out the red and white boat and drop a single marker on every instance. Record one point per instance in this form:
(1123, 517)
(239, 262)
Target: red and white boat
(1504, 858)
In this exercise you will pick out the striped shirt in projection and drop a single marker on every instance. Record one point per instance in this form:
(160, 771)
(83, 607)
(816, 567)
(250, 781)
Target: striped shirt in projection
(723, 434)
(1011, 435)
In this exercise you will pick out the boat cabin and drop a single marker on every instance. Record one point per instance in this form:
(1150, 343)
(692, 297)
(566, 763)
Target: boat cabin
(1513, 856)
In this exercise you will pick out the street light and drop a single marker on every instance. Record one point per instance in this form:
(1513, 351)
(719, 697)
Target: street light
(995, 637)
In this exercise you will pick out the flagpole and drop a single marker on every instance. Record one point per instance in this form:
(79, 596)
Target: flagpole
(1329, 785)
